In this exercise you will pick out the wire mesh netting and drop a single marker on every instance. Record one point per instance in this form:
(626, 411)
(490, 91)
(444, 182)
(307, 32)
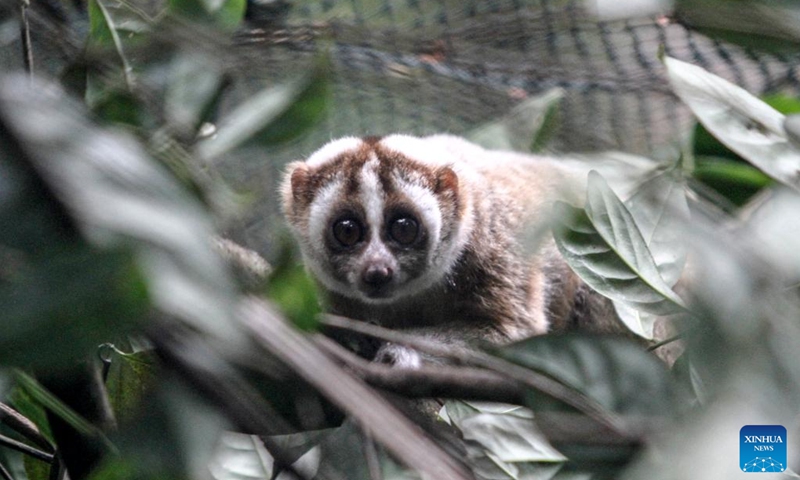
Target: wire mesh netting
(424, 67)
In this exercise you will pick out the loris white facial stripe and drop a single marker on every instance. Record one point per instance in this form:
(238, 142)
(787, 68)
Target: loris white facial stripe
(372, 195)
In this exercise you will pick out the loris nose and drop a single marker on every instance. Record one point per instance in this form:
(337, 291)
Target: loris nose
(377, 275)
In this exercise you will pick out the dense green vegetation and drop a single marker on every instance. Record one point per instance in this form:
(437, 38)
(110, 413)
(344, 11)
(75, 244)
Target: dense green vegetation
(129, 348)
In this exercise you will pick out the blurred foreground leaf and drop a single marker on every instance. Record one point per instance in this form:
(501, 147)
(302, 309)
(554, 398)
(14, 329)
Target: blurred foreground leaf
(274, 115)
(524, 129)
(759, 24)
(195, 87)
(117, 196)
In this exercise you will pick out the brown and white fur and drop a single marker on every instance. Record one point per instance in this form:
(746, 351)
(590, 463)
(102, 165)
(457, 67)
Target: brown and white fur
(466, 272)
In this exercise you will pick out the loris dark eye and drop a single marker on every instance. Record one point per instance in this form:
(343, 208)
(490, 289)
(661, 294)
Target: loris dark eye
(348, 232)
(404, 230)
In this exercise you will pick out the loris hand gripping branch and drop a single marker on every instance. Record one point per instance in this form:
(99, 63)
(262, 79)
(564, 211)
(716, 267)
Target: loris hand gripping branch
(431, 234)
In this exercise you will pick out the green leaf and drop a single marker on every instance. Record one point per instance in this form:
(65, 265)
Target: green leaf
(27, 406)
(173, 434)
(50, 402)
(118, 197)
(705, 144)
(130, 377)
(501, 440)
(525, 128)
(294, 291)
(273, 116)
(615, 372)
(121, 107)
(738, 182)
(742, 122)
(661, 213)
(783, 103)
(59, 293)
(604, 247)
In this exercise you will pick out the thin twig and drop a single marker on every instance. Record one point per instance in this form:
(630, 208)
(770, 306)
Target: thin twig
(26, 449)
(20, 424)
(25, 33)
(4, 474)
(666, 341)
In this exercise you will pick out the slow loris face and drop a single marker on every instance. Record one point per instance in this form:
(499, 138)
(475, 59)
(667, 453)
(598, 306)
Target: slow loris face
(374, 224)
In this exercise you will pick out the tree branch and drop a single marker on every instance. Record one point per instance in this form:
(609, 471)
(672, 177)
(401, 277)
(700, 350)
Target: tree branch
(426, 382)
(527, 377)
(467, 383)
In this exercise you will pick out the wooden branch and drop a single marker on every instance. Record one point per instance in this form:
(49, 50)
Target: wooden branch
(565, 428)
(426, 382)
(527, 377)
(250, 268)
(468, 383)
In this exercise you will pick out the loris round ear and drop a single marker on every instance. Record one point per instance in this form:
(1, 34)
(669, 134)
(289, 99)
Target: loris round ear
(300, 178)
(446, 179)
